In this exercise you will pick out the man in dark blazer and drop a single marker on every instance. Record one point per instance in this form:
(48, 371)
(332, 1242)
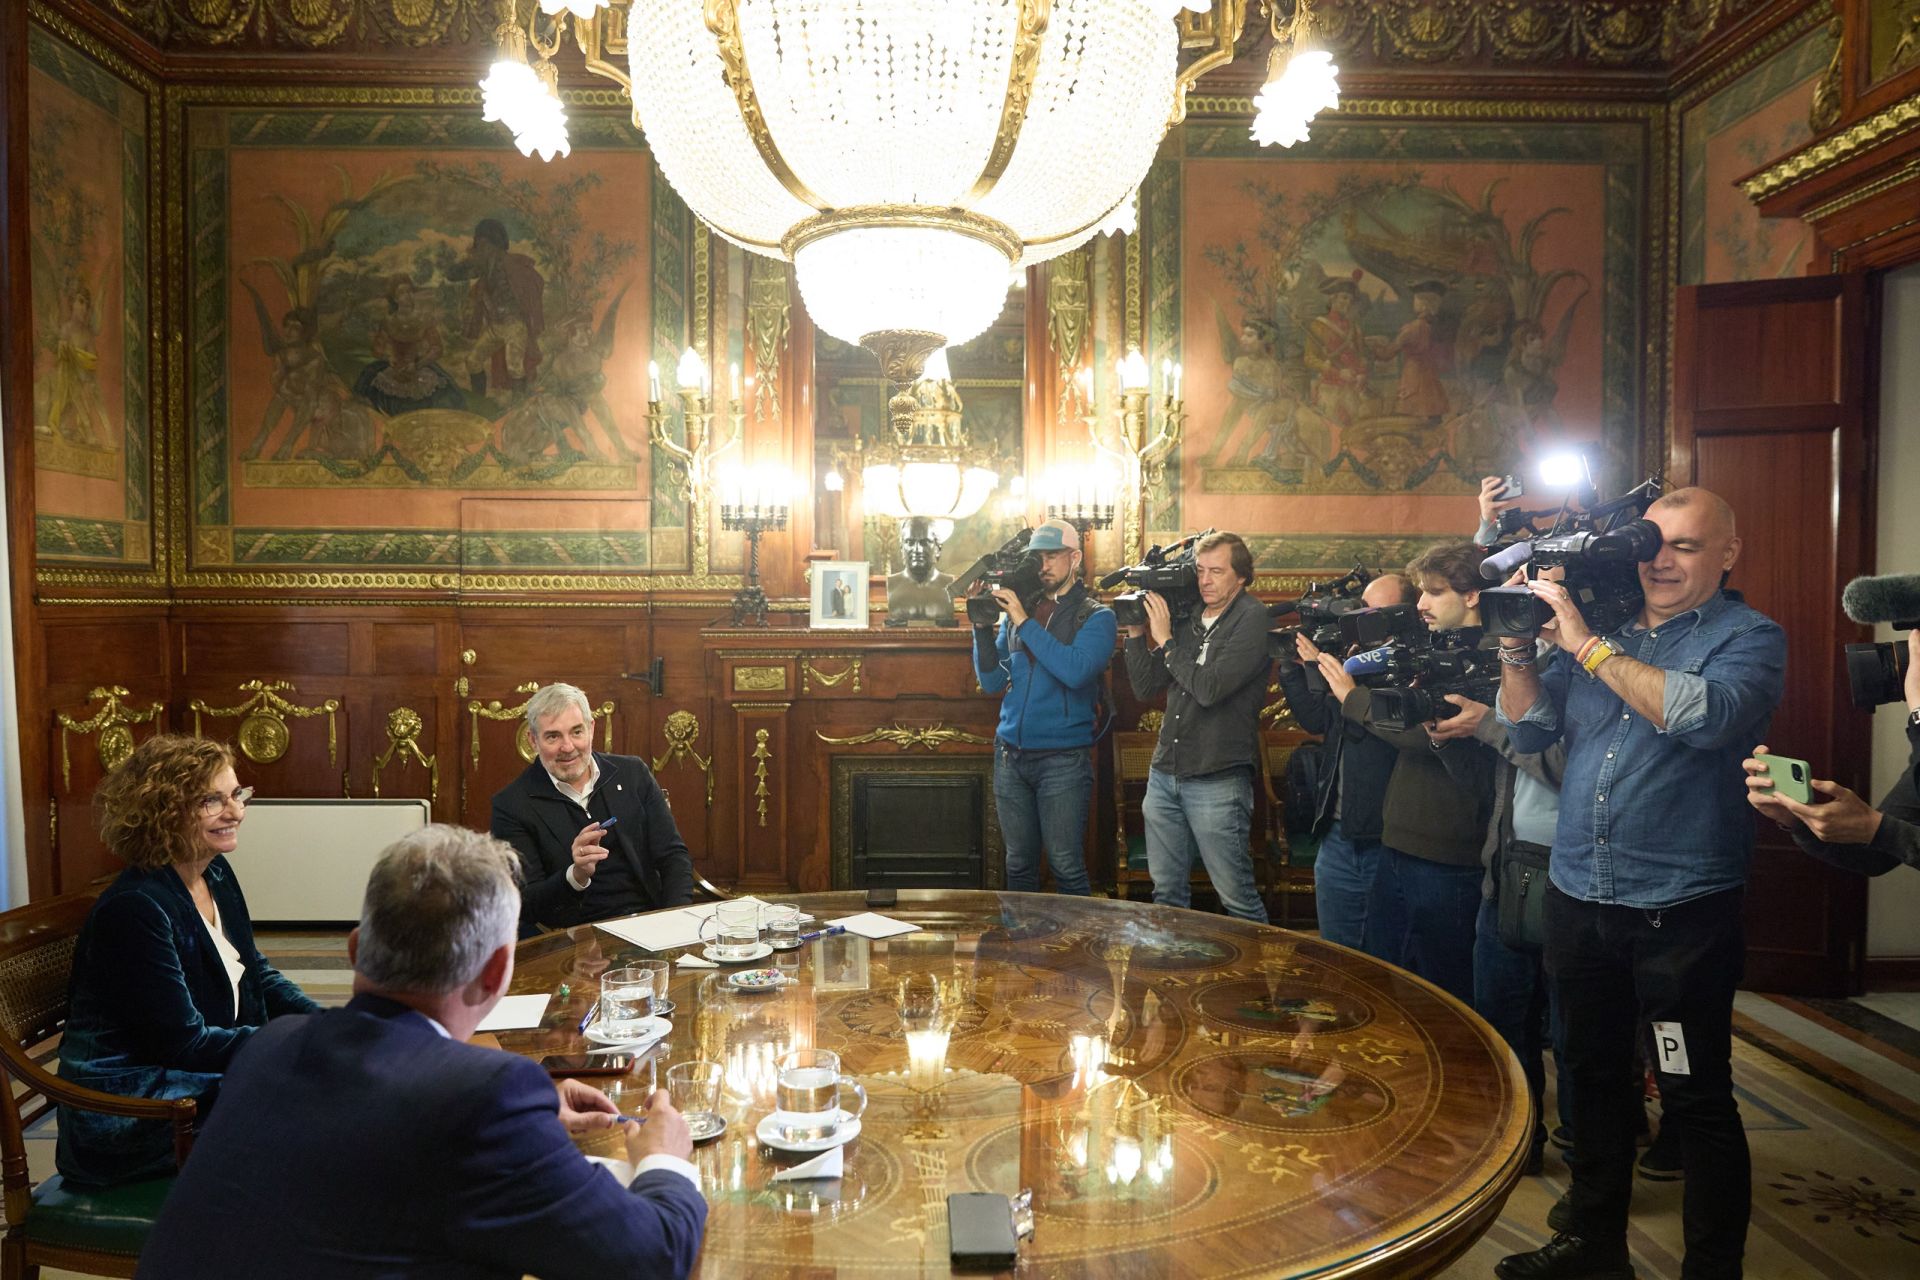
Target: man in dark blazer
(576, 868)
(374, 1141)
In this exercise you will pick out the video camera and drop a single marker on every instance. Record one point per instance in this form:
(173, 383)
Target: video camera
(1012, 567)
(1601, 550)
(1168, 571)
(1413, 669)
(1877, 673)
(1321, 607)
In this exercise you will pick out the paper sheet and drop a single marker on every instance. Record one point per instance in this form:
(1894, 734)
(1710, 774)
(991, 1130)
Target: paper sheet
(871, 924)
(516, 1013)
(830, 1165)
(665, 930)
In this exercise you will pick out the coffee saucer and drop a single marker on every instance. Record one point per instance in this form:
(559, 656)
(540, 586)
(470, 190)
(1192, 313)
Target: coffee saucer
(769, 1136)
(760, 952)
(707, 1127)
(648, 1029)
(754, 981)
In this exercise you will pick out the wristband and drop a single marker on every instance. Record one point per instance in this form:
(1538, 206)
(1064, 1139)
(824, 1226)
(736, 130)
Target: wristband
(1599, 653)
(1516, 657)
(1585, 650)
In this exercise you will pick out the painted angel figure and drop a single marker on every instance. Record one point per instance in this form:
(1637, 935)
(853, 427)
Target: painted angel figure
(572, 385)
(73, 408)
(300, 377)
(1256, 391)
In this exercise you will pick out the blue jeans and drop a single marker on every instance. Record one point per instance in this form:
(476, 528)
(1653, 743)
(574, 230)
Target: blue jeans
(1428, 909)
(1042, 796)
(1211, 815)
(1343, 873)
(1510, 992)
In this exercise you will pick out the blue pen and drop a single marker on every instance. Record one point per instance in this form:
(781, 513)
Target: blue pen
(823, 933)
(607, 822)
(587, 1021)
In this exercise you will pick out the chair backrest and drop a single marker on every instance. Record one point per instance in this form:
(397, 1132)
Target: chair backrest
(36, 964)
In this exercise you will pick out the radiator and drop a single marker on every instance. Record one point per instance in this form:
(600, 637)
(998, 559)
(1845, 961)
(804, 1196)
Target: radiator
(307, 860)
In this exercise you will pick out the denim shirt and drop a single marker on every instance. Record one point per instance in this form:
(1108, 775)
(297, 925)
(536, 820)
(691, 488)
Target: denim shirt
(1655, 817)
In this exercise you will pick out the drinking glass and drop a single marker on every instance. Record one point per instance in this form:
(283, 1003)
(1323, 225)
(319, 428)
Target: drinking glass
(694, 1090)
(807, 1093)
(662, 978)
(783, 926)
(626, 998)
(736, 930)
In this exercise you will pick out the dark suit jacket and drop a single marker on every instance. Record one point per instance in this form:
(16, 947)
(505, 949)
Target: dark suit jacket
(151, 1014)
(530, 814)
(361, 1142)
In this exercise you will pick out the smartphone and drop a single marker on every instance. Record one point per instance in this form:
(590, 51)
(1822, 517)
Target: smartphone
(980, 1231)
(1510, 487)
(883, 897)
(587, 1064)
(1791, 778)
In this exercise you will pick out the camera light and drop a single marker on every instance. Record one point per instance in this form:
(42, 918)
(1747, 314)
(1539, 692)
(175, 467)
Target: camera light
(1565, 470)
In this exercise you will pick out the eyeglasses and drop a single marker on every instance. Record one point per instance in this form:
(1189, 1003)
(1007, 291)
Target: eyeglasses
(212, 804)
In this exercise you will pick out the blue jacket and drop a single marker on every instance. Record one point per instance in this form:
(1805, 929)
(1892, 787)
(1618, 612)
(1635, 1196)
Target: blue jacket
(1050, 674)
(362, 1142)
(151, 1014)
(1653, 817)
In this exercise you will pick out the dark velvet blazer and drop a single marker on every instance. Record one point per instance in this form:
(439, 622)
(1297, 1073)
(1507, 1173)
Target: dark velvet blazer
(365, 1143)
(151, 1014)
(530, 814)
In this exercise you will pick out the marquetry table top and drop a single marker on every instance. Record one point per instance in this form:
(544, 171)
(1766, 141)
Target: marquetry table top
(1184, 1093)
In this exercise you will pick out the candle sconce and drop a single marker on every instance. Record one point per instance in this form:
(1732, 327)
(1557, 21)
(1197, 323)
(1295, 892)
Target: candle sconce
(1147, 426)
(697, 453)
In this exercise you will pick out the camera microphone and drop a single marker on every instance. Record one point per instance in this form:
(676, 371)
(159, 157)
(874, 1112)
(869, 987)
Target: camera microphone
(1501, 563)
(1114, 579)
(1370, 663)
(1893, 598)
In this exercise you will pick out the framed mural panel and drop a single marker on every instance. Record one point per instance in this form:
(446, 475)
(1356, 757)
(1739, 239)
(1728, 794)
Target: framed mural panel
(92, 121)
(416, 359)
(1742, 126)
(1375, 319)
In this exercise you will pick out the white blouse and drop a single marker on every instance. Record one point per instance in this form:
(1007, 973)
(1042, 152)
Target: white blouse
(228, 953)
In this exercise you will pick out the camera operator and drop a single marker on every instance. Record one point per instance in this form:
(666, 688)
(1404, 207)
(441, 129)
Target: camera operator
(1213, 667)
(1049, 664)
(1649, 868)
(1845, 831)
(1352, 786)
(1426, 892)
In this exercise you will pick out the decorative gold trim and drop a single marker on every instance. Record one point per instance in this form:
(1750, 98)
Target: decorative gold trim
(1029, 31)
(523, 741)
(111, 721)
(932, 738)
(769, 321)
(809, 673)
(1150, 721)
(1821, 156)
(1906, 173)
(683, 730)
(759, 679)
(1219, 30)
(263, 734)
(723, 20)
(1069, 318)
(761, 754)
(403, 736)
(959, 221)
(1443, 109)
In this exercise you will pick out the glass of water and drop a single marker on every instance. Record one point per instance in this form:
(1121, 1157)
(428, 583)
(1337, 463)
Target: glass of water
(626, 1000)
(783, 926)
(694, 1090)
(662, 978)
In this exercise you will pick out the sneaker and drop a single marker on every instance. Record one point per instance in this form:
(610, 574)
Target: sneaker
(1568, 1257)
(1661, 1161)
(1560, 1217)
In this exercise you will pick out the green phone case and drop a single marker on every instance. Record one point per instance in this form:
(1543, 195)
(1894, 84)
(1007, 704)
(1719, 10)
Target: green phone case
(1791, 778)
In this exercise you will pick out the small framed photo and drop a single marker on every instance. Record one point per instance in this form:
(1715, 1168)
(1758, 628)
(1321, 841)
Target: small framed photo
(839, 595)
(841, 963)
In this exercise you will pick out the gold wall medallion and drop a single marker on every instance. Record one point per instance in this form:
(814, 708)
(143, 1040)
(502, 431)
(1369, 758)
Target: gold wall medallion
(110, 722)
(263, 734)
(683, 731)
(403, 739)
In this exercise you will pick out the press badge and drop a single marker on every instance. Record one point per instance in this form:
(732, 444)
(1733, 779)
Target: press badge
(1671, 1044)
(1200, 660)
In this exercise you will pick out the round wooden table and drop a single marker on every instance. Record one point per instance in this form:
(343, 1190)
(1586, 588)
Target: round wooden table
(1186, 1094)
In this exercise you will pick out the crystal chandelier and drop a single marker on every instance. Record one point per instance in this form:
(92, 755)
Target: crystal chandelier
(929, 468)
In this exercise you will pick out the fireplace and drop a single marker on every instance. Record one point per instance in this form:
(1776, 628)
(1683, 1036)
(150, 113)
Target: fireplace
(915, 824)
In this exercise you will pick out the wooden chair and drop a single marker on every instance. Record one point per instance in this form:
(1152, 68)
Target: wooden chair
(1132, 754)
(1290, 882)
(95, 1232)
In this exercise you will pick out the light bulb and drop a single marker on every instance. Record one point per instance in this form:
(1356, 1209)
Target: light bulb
(1287, 103)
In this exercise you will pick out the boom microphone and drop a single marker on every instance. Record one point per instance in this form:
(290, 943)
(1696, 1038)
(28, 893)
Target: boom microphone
(1893, 598)
(1501, 563)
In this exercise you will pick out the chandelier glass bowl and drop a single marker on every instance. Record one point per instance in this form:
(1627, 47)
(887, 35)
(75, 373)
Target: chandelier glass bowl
(905, 155)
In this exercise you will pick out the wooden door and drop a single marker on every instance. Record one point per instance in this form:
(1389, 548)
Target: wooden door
(1772, 412)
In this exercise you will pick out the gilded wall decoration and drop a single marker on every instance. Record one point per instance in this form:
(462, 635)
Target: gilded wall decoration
(769, 320)
(412, 350)
(263, 735)
(1893, 38)
(112, 722)
(683, 731)
(929, 737)
(762, 753)
(1379, 317)
(88, 216)
(309, 24)
(1751, 122)
(403, 739)
(494, 709)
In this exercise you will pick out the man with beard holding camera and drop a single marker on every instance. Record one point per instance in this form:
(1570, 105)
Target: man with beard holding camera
(1049, 664)
(1648, 877)
(1213, 667)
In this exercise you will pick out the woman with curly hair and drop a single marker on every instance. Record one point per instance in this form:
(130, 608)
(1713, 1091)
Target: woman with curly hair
(167, 982)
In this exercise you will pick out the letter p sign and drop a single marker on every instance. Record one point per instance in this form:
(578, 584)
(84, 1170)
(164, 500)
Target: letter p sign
(1671, 1046)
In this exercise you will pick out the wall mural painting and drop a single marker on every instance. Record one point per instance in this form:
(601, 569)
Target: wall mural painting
(1747, 125)
(412, 320)
(1893, 28)
(87, 159)
(1365, 338)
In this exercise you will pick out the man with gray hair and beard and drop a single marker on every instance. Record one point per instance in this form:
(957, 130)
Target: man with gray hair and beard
(374, 1141)
(594, 834)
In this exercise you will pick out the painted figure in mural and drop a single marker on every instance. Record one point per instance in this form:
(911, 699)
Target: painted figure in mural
(300, 378)
(1421, 394)
(918, 593)
(1906, 51)
(340, 429)
(1256, 392)
(73, 406)
(1479, 344)
(405, 374)
(504, 310)
(572, 384)
(1529, 382)
(1337, 354)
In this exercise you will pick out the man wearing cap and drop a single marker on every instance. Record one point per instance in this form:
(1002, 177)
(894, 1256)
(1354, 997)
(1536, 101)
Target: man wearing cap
(1047, 655)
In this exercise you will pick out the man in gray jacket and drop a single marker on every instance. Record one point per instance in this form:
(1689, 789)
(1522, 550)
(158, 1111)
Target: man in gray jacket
(1213, 667)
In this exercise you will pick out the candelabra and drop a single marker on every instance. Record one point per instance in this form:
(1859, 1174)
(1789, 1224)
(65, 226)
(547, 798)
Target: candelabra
(754, 502)
(1086, 497)
(697, 453)
(1139, 447)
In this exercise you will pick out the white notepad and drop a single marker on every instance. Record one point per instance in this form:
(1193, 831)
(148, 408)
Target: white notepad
(871, 924)
(516, 1013)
